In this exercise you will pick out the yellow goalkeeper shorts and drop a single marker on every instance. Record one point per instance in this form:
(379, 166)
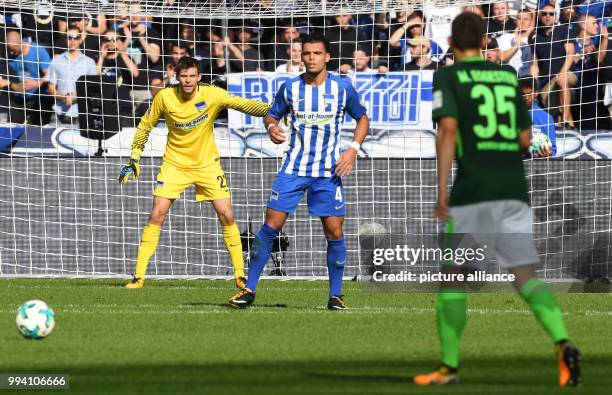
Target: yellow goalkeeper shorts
(210, 182)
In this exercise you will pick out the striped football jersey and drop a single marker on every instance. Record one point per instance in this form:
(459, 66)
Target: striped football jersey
(315, 114)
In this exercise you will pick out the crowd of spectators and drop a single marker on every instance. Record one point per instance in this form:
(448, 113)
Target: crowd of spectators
(560, 44)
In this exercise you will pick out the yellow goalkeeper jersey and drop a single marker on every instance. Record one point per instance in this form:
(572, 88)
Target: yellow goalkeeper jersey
(191, 143)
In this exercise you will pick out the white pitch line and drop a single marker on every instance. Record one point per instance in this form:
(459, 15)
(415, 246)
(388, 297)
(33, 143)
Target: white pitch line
(119, 287)
(276, 310)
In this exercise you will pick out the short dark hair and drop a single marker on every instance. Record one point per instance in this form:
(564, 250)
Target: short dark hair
(547, 4)
(287, 24)
(179, 44)
(492, 44)
(187, 62)
(416, 14)
(528, 82)
(364, 49)
(467, 31)
(316, 38)
(568, 3)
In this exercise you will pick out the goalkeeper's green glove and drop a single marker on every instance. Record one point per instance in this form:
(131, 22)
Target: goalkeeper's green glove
(132, 168)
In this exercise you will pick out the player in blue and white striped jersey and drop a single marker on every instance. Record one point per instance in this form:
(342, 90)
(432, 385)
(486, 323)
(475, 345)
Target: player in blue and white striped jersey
(315, 104)
(315, 114)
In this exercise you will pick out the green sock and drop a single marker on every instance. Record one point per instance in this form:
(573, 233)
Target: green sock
(451, 316)
(545, 307)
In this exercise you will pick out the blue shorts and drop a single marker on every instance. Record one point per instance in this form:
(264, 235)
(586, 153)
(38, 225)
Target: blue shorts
(325, 195)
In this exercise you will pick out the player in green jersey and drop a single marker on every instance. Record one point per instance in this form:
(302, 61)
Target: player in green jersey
(484, 123)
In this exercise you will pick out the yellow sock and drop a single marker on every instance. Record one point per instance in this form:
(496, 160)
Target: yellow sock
(148, 244)
(231, 236)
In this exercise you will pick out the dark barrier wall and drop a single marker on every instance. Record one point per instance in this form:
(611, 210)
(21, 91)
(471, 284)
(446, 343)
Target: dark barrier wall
(62, 216)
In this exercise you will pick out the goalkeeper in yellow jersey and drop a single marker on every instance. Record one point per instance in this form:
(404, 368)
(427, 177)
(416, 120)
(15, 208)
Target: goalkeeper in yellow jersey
(191, 157)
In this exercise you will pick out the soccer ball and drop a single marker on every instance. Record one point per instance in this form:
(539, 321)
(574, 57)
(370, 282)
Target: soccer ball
(35, 320)
(371, 234)
(539, 140)
(372, 229)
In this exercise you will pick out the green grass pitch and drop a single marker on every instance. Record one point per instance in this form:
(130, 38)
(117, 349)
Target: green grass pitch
(178, 337)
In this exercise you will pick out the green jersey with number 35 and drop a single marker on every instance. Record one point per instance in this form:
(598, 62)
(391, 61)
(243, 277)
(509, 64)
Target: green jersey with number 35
(485, 100)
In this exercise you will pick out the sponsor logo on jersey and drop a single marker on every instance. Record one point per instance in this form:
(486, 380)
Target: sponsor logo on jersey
(315, 118)
(191, 124)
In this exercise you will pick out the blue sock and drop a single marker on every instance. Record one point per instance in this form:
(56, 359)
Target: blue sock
(260, 252)
(336, 258)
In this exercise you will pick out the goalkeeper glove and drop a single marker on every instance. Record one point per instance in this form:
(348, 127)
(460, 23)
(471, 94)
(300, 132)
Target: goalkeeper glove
(132, 168)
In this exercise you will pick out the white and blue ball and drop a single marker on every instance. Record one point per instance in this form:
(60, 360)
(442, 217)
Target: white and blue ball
(539, 140)
(35, 320)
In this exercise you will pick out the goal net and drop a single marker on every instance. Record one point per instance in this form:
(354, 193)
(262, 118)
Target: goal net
(76, 76)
